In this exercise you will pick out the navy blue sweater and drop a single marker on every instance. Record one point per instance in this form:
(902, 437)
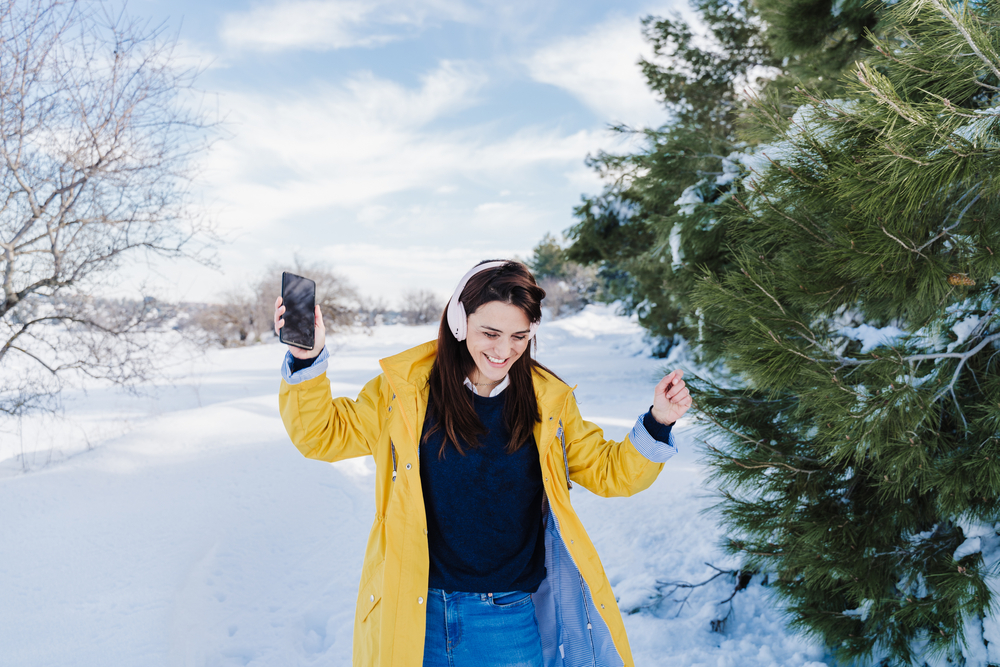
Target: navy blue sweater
(484, 509)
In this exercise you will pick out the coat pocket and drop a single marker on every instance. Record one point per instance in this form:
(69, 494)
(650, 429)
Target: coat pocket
(370, 594)
(368, 623)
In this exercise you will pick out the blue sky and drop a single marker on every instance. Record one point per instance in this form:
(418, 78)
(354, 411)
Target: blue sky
(401, 141)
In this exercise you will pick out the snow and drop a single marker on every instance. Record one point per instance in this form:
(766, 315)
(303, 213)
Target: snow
(676, 252)
(981, 133)
(690, 198)
(872, 337)
(862, 611)
(180, 527)
(982, 634)
(973, 545)
(730, 169)
(962, 330)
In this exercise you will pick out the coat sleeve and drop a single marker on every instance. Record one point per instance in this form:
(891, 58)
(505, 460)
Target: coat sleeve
(331, 429)
(602, 466)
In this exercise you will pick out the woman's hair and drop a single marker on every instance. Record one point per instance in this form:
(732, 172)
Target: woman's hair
(451, 403)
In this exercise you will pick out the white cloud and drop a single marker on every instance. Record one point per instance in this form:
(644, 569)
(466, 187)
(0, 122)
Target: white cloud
(193, 55)
(350, 147)
(600, 68)
(388, 272)
(324, 25)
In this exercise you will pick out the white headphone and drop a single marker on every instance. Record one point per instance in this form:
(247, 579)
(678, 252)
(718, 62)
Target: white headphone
(457, 318)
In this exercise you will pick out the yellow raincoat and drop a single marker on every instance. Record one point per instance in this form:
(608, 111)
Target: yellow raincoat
(578, 617)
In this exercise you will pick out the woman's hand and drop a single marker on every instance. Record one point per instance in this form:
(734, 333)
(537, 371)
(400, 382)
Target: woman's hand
(671, 398)
(319, 340)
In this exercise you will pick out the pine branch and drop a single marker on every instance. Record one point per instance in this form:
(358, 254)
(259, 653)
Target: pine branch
(765, 292)
(964, 356)
(965, 33)
(762, 466)
(958, 221)
(958, 369)
(903, 244)
(867, 77)
(914, 160)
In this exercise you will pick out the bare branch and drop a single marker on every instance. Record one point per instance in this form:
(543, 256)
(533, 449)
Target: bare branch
(95, 149)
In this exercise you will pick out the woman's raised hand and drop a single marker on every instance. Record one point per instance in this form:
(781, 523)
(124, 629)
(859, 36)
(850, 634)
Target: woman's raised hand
(320, 335)
(671, 398)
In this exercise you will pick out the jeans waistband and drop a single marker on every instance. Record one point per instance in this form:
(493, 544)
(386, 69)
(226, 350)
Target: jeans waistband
(456, 594)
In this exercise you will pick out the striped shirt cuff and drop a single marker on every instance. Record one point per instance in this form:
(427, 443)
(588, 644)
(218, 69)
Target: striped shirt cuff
(650, 447)
(317, 368)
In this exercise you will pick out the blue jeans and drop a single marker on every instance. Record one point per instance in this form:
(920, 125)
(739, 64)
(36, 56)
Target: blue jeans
(481, 630)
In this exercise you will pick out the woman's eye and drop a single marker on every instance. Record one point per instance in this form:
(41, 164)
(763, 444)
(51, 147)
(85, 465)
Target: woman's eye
(490, 335)
(519, 338)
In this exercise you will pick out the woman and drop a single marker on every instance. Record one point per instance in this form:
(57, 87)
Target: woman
(476, 556)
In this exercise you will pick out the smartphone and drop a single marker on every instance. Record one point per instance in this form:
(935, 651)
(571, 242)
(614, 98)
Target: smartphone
(298, 296)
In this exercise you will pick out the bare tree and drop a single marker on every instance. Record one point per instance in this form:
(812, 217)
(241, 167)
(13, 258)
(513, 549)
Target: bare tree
(420, 306)
(96, 141)
(372, 311)
(569, 292)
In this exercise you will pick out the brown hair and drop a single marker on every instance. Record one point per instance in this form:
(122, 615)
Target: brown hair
(451, 403)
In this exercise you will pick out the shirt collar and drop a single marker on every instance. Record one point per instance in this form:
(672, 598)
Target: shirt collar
(495, 391)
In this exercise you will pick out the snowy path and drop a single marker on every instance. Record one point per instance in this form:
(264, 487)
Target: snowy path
(192, 533)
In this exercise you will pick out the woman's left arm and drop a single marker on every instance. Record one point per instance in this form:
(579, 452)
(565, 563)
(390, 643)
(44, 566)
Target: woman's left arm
(610, 468)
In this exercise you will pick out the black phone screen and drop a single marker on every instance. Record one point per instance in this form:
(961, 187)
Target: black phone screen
(298, 296)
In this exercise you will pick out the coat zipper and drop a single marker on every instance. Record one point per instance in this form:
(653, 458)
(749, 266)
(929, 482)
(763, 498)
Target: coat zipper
(562, 439)
(393, 460)
(586, 607)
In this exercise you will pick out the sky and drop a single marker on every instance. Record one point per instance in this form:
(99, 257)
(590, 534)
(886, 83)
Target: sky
(399, 141)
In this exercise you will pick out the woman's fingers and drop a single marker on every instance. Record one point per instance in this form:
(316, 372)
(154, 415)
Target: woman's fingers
(320, 335)
(676, 388)
(671, 384)
(667, 379)
(279, 310)
(681, 398)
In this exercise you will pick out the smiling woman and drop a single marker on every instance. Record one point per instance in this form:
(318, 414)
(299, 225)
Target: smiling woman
(476, 556)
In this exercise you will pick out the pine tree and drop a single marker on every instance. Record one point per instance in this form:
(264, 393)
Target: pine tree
(859, 459)
(656, 225)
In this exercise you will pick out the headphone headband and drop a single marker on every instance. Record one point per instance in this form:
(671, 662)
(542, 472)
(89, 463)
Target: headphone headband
(457, 317)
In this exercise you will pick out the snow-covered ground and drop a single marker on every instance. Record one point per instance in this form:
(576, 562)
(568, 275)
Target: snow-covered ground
(180, 527)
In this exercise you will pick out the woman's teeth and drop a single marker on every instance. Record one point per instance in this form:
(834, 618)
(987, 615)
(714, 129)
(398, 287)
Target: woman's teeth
(495, 360)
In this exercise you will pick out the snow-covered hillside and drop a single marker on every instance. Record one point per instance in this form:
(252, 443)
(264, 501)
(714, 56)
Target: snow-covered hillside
(180, 527)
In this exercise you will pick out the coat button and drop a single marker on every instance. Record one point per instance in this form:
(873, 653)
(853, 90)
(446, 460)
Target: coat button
(425, 531)
(602, 606)
(408, 466)
(420, 600)
(394, 397)
(373, 598)
(390, 408)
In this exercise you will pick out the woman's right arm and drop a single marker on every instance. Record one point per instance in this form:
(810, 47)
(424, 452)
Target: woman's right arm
(331, 429)
(320, 426)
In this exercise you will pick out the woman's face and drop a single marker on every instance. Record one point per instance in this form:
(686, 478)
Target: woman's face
(497, 336)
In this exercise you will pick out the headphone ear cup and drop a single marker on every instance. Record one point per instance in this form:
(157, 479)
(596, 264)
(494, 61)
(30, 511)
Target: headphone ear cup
(457, 320)
(462, 326)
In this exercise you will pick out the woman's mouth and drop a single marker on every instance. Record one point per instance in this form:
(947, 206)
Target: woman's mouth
(494, 361)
